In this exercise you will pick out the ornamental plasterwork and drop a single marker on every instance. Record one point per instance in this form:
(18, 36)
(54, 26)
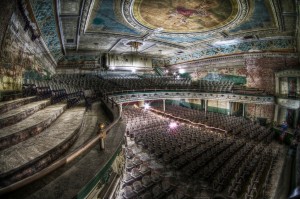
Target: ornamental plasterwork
(289, 103)
(121, 98)
(238, 60)
(257, 45)
(288, 73)
(85, 15)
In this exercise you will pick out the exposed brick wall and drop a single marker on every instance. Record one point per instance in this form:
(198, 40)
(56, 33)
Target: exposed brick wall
(260, 71)
(259, 110)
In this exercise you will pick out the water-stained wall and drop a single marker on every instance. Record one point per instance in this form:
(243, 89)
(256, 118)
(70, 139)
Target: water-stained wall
(19, 52)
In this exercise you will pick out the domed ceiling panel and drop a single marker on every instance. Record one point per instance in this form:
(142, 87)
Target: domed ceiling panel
(260, 17)
(192, 18)
(185, 16)
(104, 18)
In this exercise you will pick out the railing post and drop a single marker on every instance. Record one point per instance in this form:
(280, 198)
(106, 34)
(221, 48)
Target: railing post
(121, 109)
(102, 145)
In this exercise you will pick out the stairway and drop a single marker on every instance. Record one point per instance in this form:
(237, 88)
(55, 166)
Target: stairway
(33, 134)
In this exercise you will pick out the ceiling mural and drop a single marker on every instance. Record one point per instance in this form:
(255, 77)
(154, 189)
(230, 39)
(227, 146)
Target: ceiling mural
(175, 31)
(192, 16)
(185, 16)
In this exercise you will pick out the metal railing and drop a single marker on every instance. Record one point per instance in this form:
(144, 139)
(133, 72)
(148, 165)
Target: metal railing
(186, 90)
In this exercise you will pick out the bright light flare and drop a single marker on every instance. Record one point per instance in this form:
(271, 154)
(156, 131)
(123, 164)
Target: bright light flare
(147, 106)
(181, 71)
(173, 125)
(226, 42)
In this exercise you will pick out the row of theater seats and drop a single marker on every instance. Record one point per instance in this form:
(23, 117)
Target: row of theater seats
(237, 126)
(155, 82)
(136, 83)
(225, 162)
(59, 90)
(116, 83)
(215, 86)
(140, 180)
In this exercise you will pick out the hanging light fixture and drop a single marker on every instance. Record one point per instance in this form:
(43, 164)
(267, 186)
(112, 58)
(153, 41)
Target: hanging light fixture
(135, 45)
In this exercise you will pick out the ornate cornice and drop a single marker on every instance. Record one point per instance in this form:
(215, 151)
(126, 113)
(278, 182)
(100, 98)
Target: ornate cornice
(88, 5)
(225, 61)
(276, 7)
(289, 103)
(277, 44)
(138, 96)
(288, 73)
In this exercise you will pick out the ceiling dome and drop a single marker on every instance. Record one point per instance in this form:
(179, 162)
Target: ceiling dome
(182, 16)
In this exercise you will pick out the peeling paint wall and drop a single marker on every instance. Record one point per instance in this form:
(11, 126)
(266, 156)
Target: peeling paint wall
(19, 53)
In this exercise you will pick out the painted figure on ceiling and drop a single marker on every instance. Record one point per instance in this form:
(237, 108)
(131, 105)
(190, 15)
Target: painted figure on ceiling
(185, 16)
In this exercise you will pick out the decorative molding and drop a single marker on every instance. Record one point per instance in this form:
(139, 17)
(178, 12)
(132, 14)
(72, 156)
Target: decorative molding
(289, 103)
(224, 61)
(79, 24)
(288, 73)
(138, 96)
(276, 7)
(254, 46)
(58, 16)
(87, 7)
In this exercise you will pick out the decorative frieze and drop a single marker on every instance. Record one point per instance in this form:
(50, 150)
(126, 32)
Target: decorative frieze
(137, 96)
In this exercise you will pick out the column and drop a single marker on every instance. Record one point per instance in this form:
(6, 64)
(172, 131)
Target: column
(255, 111)
(282, 115)
(276, 113)
(298, 86)
(205, 106)
(141, 103)
(277, 85)
(102, 140)
(102, 144)
(121, 108)
(229, 108)
(296, 118)
(164, 105)
(202, 104)
(243, 109)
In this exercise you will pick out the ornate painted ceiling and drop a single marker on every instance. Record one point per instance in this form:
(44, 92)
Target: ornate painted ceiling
(175, 30)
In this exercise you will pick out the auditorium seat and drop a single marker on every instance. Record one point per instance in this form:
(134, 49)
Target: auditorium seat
(225, 162)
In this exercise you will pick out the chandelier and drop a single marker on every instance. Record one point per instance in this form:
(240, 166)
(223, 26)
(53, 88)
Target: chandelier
(134, 45)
